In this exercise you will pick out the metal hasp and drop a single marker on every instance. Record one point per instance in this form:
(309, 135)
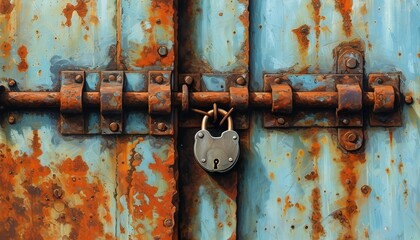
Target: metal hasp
(335, 100)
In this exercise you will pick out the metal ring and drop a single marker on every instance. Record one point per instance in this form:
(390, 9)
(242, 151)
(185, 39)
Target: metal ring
(221, 111)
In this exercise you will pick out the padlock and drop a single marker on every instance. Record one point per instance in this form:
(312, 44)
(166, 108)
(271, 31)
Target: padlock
(216, 154)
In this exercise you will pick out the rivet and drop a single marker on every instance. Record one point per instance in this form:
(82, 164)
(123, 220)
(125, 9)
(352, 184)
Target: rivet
(281, 121)
(345, 121)
(11, 119)
(352, 63)
(408, 100)
(203, 160)
(119, 78)
(58, 193)
(365, 189)
(240, 81)
(168, 223)
(111, 78)
(78, 78)
(162, 127)
(230, 159)
(188, 80)
(74, 219)
(380, 81)
(277, 80)
(200, 135)
(73, 179)
(137, 156)
(159, 79)
(163, 51)
(235, 137)
(114, 127)
(352, 137)
(12, 83)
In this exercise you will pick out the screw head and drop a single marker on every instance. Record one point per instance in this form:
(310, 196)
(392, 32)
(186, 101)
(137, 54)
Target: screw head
(58, 193)
(235, 137)
(114, 127)
(230, 159)
(200, 135)
(163, 51)
(188, 80)
(203, 160)
(281, 121)
(365, 189)
(12, 83)
(78, 78)
(162, 127)
(159, 79)
(408, 100)
(11, 119)
(240, 81)
(345, 121)
(380, 81)
(352, 137)
(168, 223)
(352, 63)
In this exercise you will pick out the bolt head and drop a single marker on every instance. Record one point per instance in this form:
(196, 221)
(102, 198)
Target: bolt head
(235, 137)
(345, 121)
(380, 80)
(352, 137)
(163, 51)
(230, 159)
(12, 83)
(241, 81)
(162, 127)
(159, 79)
(200, 135)
(78, 78)
(114, 127)
(188, 80)
(281, 121)
(408, 100)
(203, 160)
(11, 119)
(352, 63)
(111, 78)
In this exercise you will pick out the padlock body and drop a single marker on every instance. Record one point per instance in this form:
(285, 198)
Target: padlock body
(216, 154)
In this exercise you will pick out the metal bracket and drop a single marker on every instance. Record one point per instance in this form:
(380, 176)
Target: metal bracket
(71, 102)
(111, 100)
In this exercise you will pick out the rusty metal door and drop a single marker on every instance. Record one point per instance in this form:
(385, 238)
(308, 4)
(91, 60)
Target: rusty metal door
(100, 102)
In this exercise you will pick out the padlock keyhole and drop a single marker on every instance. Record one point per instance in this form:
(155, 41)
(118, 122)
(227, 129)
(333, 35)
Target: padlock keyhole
(216, 162)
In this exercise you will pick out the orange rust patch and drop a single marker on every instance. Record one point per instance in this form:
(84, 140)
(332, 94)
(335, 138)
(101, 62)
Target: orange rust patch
(86, 37)
(400, 167)
(388, 171)
(278, 200)
(300, 207)
(366, 232)
(316, 4)
(312, 176)
(363, 9)
(345, 9)
(302, 33)
(80, 8)
(287, 205)
(390, 138)
(5, 48)
(23, 65)
(418, 55)
(6, 7)
(272, 176)
(30, 206)
(316, 218)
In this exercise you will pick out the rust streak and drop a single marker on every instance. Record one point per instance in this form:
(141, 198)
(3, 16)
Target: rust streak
(287, 205)
(302, 33)
(400, 167)
(5, 48)
(23, 65)
(316, 4)
(6, 7)
(345, 9)
(120, 65)
(316, 218)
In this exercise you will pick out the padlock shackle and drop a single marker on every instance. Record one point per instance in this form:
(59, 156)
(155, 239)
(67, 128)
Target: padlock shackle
(223, 113)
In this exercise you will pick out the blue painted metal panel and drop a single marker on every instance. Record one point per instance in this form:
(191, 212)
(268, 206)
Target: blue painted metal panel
(298, 183)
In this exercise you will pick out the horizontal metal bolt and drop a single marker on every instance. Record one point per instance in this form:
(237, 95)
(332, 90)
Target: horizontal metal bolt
(78, 79)
(408, 100)
(162, 127)
(12, 83)
(188, 80)
(114, 127)
(240, 81)
(163, 51)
